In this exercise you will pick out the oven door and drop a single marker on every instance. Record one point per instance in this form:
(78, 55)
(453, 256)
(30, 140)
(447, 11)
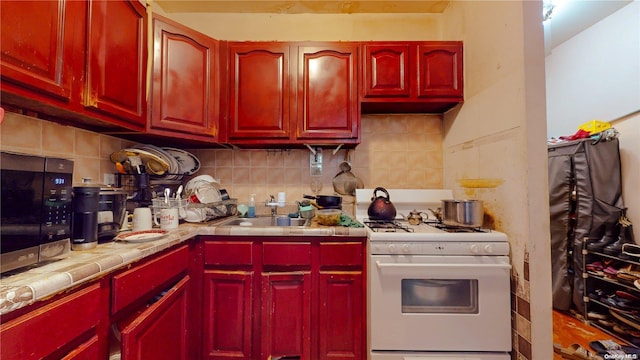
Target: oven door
(440, 303)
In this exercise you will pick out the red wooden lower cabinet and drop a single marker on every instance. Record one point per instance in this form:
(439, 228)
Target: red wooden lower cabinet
(150, 305)
(65, 328)
(286, 315)
(160, 331)
(341, 315)
(268, 297)
(228, 308)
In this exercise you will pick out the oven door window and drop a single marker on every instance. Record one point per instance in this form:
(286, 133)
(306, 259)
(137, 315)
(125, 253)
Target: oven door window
(451, 296)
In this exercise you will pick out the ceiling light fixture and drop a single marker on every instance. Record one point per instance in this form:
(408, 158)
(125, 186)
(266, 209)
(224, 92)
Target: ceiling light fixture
(550, 7)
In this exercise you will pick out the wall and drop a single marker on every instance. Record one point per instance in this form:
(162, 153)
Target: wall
(90, 151)
(306, 27)
(495, 148)
(397, 151)
(596, 75)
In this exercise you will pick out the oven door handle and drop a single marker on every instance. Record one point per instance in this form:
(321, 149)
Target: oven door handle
(387, 266)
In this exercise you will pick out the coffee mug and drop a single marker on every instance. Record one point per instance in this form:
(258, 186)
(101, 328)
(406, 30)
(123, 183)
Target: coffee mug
(168, 219)
(142, 219)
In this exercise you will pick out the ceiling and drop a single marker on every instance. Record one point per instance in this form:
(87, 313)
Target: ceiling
(569, 18)
(573, 16)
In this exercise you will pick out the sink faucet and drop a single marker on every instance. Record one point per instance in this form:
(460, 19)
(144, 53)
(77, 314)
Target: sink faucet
(273, 204)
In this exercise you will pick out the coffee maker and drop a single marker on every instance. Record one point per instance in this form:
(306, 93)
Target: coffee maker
(84, 226)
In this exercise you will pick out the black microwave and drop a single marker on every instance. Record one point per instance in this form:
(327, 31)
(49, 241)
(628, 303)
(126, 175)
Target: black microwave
(36, 209)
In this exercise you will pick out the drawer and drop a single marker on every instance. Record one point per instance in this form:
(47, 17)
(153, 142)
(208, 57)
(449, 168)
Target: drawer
(341, 254)
(286, 254)
(228, 253)
(44, 330)
(147, 278)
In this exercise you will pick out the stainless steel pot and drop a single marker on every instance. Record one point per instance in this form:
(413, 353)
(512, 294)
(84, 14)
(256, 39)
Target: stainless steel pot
(465, 213)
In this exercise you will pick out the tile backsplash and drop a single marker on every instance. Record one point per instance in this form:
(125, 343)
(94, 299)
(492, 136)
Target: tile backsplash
(397, 151)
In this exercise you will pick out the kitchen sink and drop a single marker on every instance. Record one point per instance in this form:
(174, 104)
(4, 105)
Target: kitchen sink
(260, 221)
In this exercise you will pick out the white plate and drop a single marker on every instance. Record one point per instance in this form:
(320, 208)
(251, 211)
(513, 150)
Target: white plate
(142, 236)
(189, 163)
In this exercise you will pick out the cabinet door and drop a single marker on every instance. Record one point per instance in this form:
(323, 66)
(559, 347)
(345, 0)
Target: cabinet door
(88, 350)
(286, 314)
(259, 91)
(117, 60)
(327, 92)
(185, 80)
(39, 42)
(440, 70)
(160, 331)
(341, 315)
(59, 326)
(228, 307)
(385, 70)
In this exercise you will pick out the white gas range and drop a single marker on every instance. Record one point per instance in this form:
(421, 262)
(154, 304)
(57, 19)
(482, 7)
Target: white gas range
(434, 293)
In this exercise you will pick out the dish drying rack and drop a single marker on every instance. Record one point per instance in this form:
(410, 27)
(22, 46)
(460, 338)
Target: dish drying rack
(218, 209)
(211, 211)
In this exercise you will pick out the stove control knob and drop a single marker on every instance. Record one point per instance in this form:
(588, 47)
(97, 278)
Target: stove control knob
(392, 248)
(406, 248)
(488, 249)
(474, 249)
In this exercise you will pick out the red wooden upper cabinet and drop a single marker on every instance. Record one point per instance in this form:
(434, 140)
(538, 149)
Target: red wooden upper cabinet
(439, 70)
(386, 70)
(185, 88)
(259, 91)
(117, 60)
(39, 46)
(327, 92)
(284, 94)
(399, 77)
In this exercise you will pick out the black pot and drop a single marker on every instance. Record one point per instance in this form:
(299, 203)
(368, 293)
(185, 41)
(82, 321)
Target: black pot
(326, 201)
(381, 207)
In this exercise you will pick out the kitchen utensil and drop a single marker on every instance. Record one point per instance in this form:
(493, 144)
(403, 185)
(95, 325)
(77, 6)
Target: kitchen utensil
(224, 194)
(167, 219)
(142, 219)
(167, 193)
(242, 209)
(465, 213)
(283, 220)
(181, 210)
(345, 182)
(326, 201)
(415, 217)
(381, 207)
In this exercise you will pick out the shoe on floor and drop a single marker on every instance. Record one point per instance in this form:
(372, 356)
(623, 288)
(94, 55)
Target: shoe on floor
(612, 350)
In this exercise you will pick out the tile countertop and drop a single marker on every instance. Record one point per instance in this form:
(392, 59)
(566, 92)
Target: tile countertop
(42, 282)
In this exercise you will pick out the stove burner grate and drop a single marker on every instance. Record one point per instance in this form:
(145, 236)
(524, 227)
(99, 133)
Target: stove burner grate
(456, 229)
(387, 226)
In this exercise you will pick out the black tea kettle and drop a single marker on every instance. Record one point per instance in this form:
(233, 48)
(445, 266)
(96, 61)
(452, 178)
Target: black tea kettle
(381, 207)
